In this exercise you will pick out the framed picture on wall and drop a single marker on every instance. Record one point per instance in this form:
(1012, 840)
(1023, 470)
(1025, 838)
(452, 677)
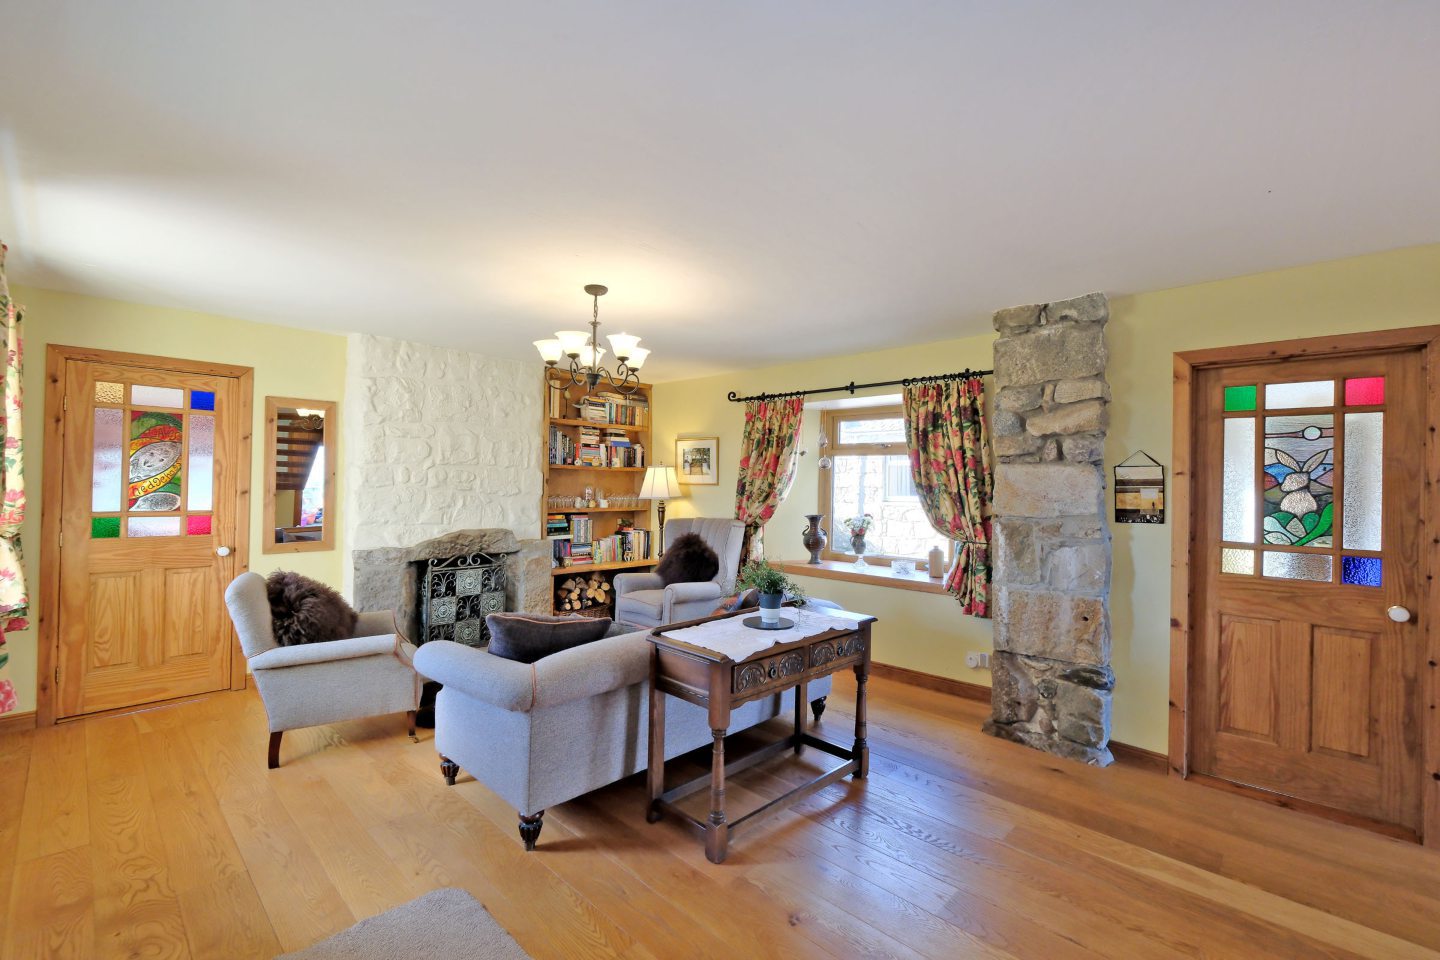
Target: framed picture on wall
(697, 460)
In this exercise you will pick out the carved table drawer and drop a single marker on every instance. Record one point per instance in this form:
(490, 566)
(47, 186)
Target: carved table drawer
(833, 654)
(783, 669)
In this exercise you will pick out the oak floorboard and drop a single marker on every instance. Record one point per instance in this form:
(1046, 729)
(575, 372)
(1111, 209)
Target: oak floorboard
(162, 833)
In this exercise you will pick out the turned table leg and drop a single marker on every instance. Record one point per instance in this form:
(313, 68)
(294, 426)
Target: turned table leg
(861, 750)
(717, 831)
(655, 772)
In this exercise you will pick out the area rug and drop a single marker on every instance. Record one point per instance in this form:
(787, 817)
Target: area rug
(446, 924)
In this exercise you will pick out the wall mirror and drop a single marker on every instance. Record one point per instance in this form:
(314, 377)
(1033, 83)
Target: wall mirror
(299, 475)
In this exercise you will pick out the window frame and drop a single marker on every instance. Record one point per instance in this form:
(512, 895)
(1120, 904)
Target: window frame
(830, 421)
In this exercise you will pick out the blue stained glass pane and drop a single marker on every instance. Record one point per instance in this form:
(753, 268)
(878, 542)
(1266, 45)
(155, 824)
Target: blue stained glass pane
(1360, 571)
(202, 400)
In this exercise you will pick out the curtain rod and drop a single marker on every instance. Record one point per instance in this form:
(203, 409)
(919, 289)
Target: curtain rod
(852, 386)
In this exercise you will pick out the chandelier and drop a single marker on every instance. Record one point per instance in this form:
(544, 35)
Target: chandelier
(583, 350)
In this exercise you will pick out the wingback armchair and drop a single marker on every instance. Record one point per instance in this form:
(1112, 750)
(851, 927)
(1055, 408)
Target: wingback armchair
(311, 684)
(643, 599)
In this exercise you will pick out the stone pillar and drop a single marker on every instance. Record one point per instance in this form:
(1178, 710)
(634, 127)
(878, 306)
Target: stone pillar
(1051, 673)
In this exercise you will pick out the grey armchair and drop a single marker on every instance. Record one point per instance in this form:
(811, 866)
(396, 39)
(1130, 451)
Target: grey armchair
(643, 599)
(311, 684)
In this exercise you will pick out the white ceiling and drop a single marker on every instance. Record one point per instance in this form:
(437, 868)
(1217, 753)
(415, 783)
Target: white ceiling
(756, 181)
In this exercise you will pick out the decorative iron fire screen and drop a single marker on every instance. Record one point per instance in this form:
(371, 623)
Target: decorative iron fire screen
(459, 592)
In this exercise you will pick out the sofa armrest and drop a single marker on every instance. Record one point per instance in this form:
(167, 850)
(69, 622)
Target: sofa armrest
(630, 582)
(592, 668)
(479, 674)
(326, 652)
(374, 623)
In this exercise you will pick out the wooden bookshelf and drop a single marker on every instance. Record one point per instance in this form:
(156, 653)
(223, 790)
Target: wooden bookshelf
(570, 481)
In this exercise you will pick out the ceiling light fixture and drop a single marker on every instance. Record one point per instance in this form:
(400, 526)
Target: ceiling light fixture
(585, 354)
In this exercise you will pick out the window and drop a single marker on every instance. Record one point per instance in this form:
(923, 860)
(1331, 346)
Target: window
(870, 473)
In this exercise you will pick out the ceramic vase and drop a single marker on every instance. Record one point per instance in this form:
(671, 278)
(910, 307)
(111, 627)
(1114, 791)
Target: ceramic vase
(814, 537)
(770, 607)
(857, 547)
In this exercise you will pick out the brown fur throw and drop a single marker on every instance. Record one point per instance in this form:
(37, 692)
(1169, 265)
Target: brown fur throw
(689, 560)
(305, 611)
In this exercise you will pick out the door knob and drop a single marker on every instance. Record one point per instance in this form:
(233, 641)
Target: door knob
(225, 552)
(1398, 613)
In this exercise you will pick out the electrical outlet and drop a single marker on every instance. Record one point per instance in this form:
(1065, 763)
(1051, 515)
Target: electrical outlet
(977, 661)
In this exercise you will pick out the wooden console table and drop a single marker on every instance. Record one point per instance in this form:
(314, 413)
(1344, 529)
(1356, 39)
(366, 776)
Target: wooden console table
(683, 664)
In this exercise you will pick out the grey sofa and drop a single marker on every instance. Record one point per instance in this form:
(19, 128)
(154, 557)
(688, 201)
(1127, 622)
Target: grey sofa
(540, 734)
(643, 599)
(310, 684)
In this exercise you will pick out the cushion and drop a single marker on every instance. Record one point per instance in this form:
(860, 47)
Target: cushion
(527, 637)
(739, 601)
(689, 560)
(306, 611)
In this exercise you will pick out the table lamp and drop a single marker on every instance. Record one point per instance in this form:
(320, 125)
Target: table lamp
(660, 485)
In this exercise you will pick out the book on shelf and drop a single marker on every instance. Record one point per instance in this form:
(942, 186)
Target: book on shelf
(604, 407)
(624, 546)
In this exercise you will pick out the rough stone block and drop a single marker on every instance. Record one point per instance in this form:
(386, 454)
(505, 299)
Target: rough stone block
(1057, 626)
(1012, 319)
(1083, 448)
(1073, 391)
(1091, 308)
(1047, 490)
(1061, 352)
(1007, 424)
(1068, 418)
(1019, 399)
(1017, 555)
(1082, 567)
(1014, 446)
(1051, 451)
(1083, 713)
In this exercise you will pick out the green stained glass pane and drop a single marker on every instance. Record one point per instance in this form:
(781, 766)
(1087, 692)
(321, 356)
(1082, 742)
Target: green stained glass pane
(103, 528)
(1240, 398)
(155, 443)
(1299, 480)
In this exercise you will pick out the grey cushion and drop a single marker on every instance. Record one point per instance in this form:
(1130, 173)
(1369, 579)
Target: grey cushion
(528, 637)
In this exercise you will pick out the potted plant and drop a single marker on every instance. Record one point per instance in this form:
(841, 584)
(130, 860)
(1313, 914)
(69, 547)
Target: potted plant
(773, 585)
(857, 527)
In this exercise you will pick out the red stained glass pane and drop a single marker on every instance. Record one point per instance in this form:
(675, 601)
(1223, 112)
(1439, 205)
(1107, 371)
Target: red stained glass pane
(1363, 391)
(198, 526)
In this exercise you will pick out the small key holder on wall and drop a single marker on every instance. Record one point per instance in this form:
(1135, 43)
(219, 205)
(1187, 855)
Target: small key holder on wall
(1139, 489)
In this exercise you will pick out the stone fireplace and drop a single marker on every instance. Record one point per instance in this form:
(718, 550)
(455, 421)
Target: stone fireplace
(1051, 673)
(393, 578)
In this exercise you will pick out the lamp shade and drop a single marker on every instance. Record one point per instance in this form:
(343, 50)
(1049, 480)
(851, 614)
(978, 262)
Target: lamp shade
(636, 360)
(573, 341)
(550, 350)
(623, 344)
(660, 484)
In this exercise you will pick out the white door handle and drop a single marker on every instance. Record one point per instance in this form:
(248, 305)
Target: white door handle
(1398, 613)
(225, 552)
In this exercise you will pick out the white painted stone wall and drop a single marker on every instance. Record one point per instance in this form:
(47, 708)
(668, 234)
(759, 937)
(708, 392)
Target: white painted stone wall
(437, 440)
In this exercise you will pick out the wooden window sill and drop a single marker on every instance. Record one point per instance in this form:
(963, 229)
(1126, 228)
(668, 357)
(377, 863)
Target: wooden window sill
(877, 575)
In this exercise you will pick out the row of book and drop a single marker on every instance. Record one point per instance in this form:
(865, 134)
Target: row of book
(595, 447)
(615, 408)
(562, 446)
(623, 546)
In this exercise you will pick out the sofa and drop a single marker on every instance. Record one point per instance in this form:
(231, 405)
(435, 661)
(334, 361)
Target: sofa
(540, 734)
(643, 598)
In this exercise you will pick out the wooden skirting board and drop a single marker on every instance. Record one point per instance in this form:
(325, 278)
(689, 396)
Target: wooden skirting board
(15, 722)
(1124, 752)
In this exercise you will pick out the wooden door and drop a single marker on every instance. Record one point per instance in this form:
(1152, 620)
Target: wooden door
(1308, 529)
(149, 489)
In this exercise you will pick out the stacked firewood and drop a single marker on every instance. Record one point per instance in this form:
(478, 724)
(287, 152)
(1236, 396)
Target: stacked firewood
(577, 593)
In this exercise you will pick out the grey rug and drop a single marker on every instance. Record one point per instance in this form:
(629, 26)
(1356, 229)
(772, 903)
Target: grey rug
(446, 924)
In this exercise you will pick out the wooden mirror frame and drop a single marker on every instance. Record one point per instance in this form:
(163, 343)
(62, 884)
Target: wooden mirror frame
(273, 406)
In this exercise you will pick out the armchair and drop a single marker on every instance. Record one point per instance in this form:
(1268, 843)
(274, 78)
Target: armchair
(317, 683)
(643, 600)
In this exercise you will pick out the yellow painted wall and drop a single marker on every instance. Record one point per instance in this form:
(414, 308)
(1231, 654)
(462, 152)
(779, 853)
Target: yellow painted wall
(1382, 291)
(287, 362)
(920, 631)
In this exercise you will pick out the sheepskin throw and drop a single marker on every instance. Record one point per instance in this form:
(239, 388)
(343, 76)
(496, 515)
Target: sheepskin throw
(689, 560)
(305, 611)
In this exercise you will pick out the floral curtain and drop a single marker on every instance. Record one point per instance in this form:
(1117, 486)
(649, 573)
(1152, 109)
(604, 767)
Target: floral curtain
(13, 600)
(950, 463)
(767, 465)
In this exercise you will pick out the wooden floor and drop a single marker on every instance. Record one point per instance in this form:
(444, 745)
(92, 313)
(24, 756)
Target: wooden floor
(161, 834)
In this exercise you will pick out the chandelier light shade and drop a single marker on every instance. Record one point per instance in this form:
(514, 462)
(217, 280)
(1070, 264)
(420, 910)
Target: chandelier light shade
(585, 355)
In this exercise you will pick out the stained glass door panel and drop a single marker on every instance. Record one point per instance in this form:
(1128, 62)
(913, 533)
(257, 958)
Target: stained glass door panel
(154, 452)
(1307, 484)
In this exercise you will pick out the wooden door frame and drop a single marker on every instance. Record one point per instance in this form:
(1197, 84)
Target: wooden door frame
(1182, 541)
(51, 507)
